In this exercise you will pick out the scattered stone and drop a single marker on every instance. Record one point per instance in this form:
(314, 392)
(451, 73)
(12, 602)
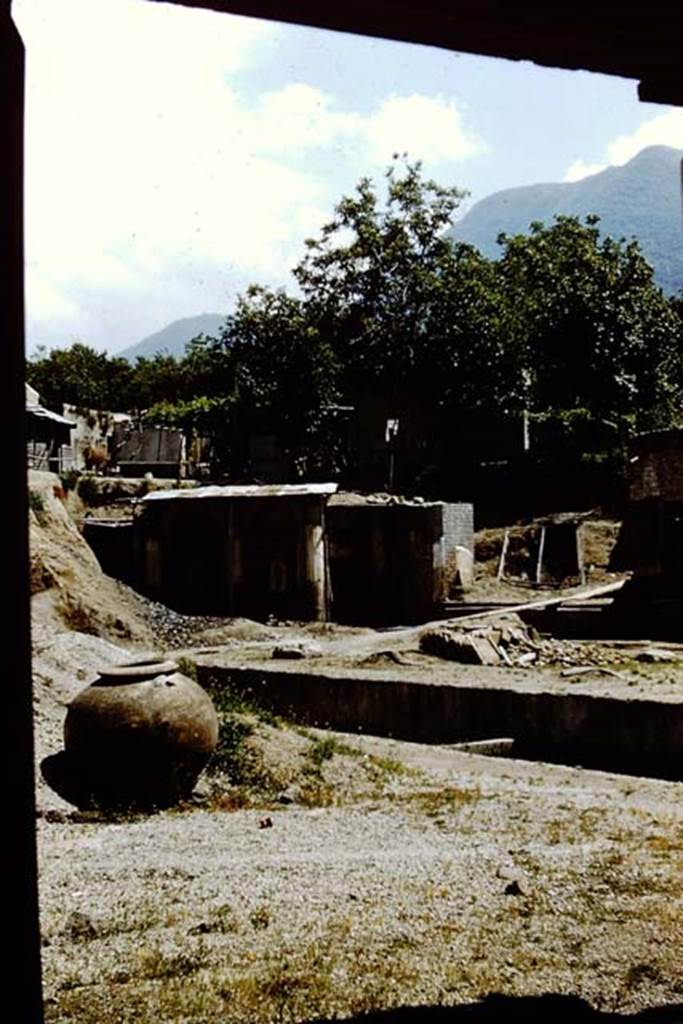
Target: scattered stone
(80, 926)
(54, 817)
(582, 670)
(381, 657)
(506, 640)
(527, 659)
(200, 929)
(296, 649)
(490, 748)
(517, 884)
(454, 645)
(265, 823)
(516, 887)
(655, 654)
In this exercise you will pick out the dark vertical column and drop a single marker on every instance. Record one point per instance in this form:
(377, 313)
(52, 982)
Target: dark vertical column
(20, 877)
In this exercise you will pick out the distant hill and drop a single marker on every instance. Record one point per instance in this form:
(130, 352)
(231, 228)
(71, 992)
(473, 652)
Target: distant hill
(641, 199)
(172, 340)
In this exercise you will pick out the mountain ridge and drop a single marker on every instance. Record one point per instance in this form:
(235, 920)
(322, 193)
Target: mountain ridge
(640, 199)
(172, 339)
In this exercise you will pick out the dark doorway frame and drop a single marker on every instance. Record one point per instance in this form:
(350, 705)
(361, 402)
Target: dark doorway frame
(611, 37)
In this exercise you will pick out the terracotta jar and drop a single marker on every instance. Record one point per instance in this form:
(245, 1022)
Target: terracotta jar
(139, 735)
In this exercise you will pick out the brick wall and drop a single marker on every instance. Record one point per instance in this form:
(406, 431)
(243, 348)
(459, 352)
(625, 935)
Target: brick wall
(657, 466)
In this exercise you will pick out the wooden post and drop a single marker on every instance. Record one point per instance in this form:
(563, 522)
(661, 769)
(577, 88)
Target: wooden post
(22, 971)
(503, 556)
(539, 563)
(315, 562)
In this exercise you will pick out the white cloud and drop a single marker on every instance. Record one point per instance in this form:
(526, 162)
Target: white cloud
(426, 127)
(580, 169)
(663, 130)
(300, 117)
(146, 170)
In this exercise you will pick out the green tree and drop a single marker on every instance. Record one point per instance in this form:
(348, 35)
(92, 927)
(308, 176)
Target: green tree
(81, 376)
(374, 277)
(411, 314)
(597, 345)
(281, 374)
(206, 367)
(590, 328)
(159, 378)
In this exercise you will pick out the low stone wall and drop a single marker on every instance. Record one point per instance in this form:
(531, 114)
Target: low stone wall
(640, 736)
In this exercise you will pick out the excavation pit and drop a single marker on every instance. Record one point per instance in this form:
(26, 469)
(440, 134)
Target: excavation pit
(624, 724)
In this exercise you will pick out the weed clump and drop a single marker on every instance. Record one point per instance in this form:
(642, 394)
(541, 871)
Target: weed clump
(238, 760)
(69, 480)
(88, 490)
(36, 503)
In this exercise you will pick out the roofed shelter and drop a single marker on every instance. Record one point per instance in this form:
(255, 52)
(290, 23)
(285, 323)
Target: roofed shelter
(634, 41)
(237, 550)
(48, 436)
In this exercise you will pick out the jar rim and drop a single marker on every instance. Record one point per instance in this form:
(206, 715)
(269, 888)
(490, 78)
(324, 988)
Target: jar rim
(146, 668)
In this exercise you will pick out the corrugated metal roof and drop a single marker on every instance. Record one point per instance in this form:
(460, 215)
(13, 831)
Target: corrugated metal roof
(245, 491)
(46, 414)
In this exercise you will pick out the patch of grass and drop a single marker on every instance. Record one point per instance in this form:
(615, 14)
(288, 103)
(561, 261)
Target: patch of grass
(314, 789)
(324, 748)
(251, 780)
(154, 962)
(260, 918)
(188, 668)
(296, 988)
(321, 750)
(315, 792)
(664, 845)
(435, 802)
(77, 617)
(36, 503)
(381, 769)
(223, 920)
(231, 756)
(641, 973)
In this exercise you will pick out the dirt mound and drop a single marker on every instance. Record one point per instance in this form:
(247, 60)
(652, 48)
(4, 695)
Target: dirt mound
(68, 586)
(598, 537)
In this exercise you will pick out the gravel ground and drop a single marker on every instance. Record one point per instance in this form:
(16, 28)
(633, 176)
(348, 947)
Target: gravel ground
(380, 874)
(451, 877)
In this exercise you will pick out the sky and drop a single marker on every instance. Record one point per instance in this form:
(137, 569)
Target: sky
(175, 156)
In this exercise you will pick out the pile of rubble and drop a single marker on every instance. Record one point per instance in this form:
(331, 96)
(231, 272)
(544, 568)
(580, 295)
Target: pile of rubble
(508, 641)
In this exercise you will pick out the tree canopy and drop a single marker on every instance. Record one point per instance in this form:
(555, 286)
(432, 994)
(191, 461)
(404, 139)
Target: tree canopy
(566, 326)
(589, 326)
